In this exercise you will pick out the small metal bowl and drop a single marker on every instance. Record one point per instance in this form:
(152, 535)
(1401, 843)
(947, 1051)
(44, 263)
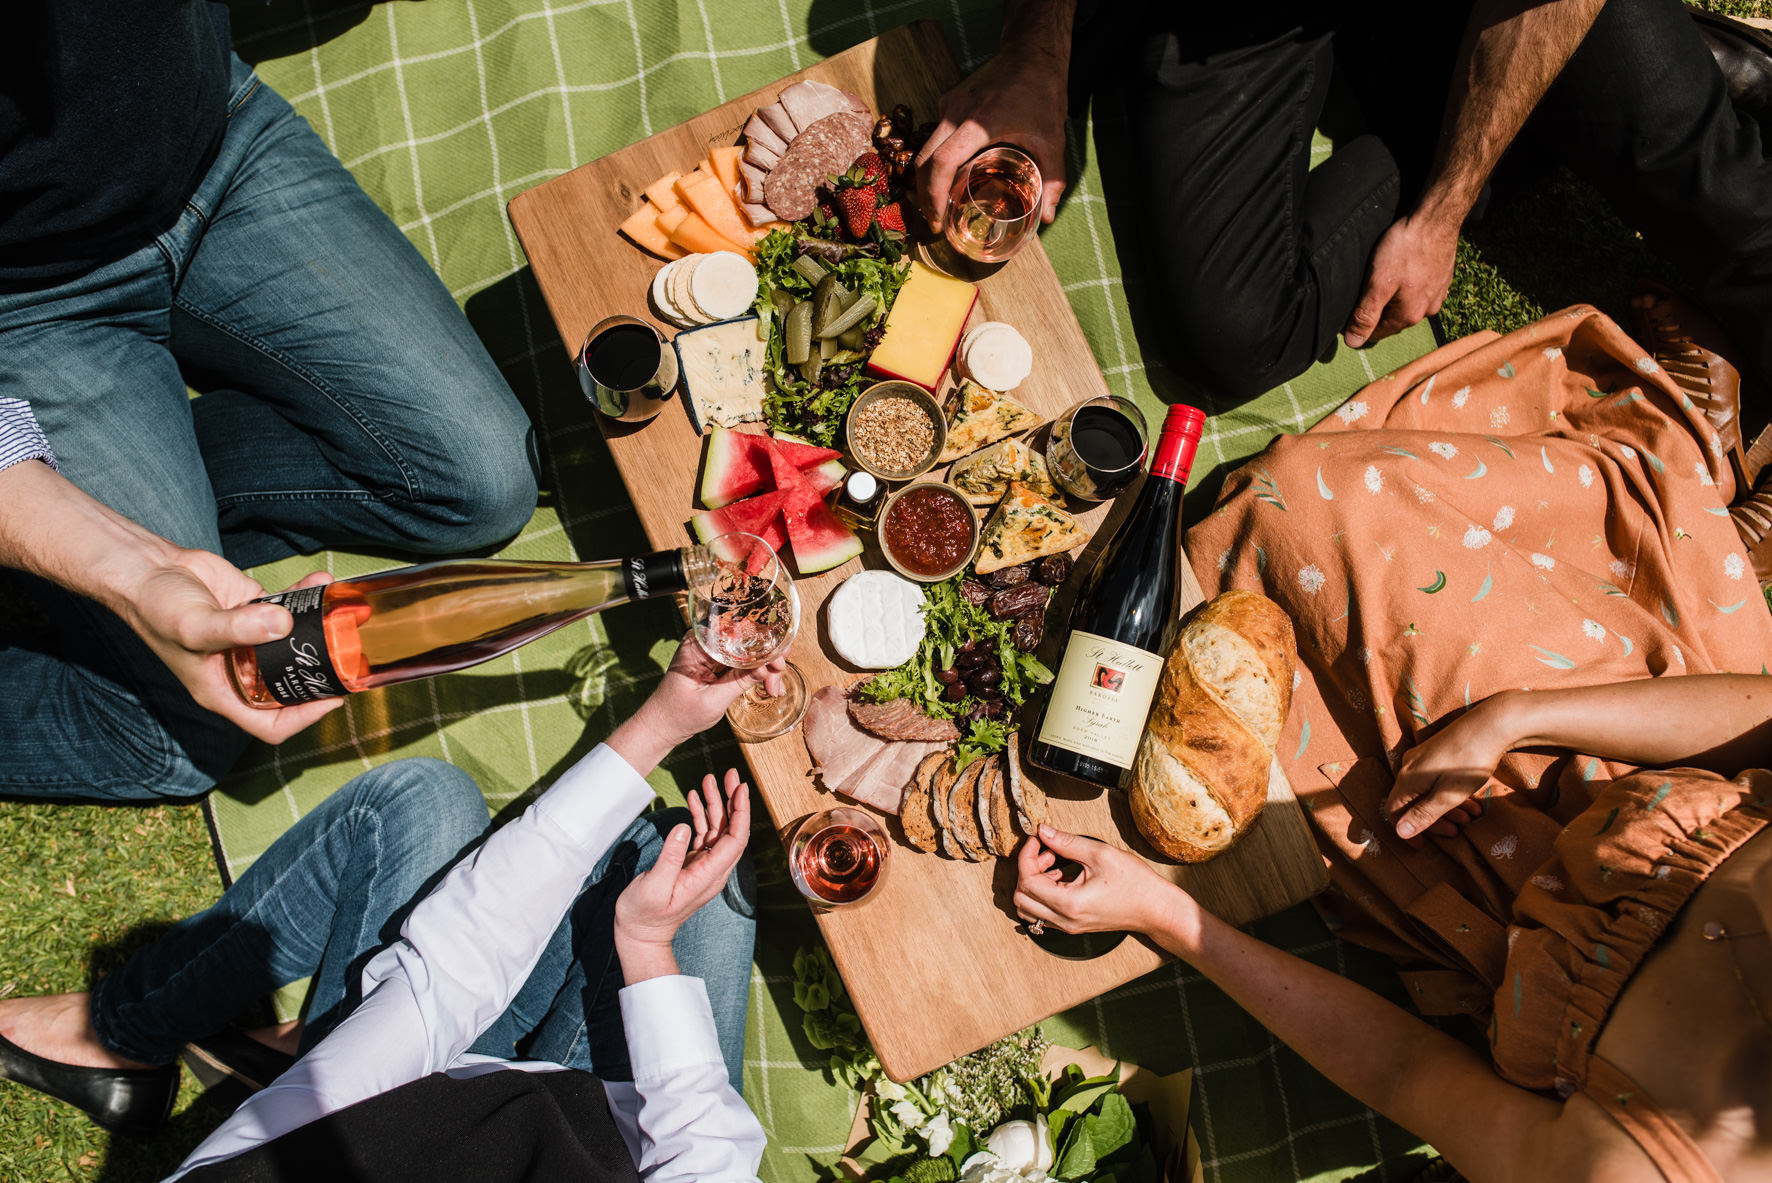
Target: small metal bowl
(972, 543)
(896, 388)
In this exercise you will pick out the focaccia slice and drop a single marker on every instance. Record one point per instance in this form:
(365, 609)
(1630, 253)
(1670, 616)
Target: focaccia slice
(1026, 526)
(981, 417)
(984, 476)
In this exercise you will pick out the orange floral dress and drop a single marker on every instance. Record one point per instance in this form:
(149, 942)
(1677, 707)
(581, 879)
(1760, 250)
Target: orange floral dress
(1537, 510)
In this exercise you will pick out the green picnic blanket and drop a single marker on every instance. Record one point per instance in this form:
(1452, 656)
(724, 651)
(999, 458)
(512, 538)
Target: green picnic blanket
(444, 112)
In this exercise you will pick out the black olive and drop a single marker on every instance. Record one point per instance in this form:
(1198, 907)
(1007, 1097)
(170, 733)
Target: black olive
(947, 677)
(994, 707)
(955, 692)
(983, 679)
(971, 658)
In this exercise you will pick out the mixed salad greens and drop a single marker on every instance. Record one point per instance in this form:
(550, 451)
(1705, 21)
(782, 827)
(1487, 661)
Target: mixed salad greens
(822, 306)
(994, 1116)
(953, 623)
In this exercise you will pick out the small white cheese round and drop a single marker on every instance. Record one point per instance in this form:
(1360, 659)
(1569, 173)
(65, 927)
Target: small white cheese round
(876, 620)
(661, 297)
(996, 356)
(682, 271)
(723, 285)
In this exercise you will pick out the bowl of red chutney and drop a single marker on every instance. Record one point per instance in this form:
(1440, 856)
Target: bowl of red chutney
(928, 531)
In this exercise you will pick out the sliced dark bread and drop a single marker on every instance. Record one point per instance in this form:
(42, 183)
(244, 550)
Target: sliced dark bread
(981, 805)
(962, 820)
(1002, 813)
(939, 791)
(1029, 799)
(917, 814)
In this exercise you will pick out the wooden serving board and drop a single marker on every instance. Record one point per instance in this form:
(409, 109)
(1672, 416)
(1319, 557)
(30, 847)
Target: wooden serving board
(935, 961)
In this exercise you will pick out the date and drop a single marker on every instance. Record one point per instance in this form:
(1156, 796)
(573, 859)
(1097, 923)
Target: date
(1010, 576)
(1023, 597)
(1053, 570)
(974, 592)
(1030, 629)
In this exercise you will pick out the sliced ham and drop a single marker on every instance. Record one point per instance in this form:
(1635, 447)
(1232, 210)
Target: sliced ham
(881, 781)
(807, 102)
(901, 720)
(777, 118)
(761, 134)
(757, 155)
(757, 215)
(837, 746)
(753, 178)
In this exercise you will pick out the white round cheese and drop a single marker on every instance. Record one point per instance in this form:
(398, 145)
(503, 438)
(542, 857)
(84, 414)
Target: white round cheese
(996, 356)
(682, 271)
(723, 285)
(661, 297)
(876, 620)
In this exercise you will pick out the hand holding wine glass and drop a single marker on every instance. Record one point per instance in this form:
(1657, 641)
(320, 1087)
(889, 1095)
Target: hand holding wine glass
(746, 612)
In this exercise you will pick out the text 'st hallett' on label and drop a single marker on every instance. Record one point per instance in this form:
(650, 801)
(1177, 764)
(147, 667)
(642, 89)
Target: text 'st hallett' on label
(1100, 698)
(298, 668)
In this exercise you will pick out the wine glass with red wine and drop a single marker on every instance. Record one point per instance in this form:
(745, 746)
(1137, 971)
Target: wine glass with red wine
(745, 613)
(626, 369)
(1097, 447)
(994, 204)
(838, 857)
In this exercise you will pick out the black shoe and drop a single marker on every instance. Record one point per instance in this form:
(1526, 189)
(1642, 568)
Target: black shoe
(1744, 54)
(134, 1101)
(233, 1061)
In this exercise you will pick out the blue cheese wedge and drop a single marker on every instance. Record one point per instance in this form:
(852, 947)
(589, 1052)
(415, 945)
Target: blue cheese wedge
(724, 373)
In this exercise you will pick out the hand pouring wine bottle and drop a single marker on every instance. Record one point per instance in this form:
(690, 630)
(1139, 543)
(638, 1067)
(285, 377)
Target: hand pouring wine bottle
(435, 618)
(1112, 659)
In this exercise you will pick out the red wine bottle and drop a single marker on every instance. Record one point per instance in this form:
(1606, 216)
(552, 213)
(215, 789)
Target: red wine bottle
(1112, 658)
(435, 618)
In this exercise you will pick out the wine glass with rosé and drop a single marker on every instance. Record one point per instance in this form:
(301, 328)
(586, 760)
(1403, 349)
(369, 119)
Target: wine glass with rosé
(838, 856)
(994, 204)
(745, 613)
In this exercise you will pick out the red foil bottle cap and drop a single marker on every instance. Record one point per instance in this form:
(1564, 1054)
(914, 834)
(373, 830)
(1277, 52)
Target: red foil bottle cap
(1177, 441)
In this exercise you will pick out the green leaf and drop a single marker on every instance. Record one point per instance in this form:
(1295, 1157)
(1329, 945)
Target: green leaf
(1555, 660)
(1438, 585)
(1728, 611)
(1323, 489)
(1488, 583)
(1498, 443)
(1077, 1159)
(1506, 370)
(1545, 456)
(1086, 1094)
(1401, 452)
(1481, 470)
(1114, 1125)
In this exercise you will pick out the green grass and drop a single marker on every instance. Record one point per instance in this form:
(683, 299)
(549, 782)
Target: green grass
(83, 885)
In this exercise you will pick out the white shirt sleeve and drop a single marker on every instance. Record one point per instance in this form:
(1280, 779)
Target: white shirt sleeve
(680, 1116)
(464, 952)
(20, 437)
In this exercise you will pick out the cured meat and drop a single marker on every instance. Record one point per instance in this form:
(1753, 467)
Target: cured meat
(828, 146)
(752, 178)
(881, 782)
(837, 746)
(900, 719)
(776, 116)
(757, 155)
(805, 103)
(759, 216)
(761, 134)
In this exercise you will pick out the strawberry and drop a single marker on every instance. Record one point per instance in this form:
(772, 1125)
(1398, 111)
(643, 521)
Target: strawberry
(869, 171)
(890, 217)
(858, 207)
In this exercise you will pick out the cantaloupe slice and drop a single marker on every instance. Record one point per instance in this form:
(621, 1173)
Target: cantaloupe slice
(692, 233)
(724, 163)
(670, 219)
(706, 196)
(642, 229)
(660, 193)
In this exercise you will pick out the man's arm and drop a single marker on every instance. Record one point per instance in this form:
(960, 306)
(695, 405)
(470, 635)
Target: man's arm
(1017, 97)
(1513, 50)
(189, 606)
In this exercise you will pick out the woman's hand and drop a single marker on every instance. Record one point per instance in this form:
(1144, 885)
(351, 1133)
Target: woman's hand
(1438, 777)
(691, 697)
(1115, 890)
(692, 868)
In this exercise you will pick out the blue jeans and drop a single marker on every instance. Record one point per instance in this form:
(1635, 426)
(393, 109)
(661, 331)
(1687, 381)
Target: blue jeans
(337, 886)
(345, 402)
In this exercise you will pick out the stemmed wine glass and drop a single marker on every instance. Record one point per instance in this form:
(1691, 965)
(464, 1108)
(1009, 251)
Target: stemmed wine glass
(745, 613)
(994, 204)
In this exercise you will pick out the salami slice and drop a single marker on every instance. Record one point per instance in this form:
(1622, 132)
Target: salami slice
(828, 146)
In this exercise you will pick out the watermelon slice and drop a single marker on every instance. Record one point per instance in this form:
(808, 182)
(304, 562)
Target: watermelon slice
(826, 476)
(735, 465)
(820, 541)
(802, 454)
(759, 515)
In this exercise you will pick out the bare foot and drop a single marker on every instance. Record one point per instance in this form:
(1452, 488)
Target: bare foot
(284, 1037)
(59, 1027)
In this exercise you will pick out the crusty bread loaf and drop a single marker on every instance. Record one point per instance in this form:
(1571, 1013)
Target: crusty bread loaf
(1200, 779)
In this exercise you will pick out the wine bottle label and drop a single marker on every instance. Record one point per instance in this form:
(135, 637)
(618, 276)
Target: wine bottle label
(658, 574)
(1100, 698)
(298, 668)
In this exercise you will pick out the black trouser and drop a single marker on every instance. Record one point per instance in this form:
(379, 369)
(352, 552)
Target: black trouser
(1259, 259)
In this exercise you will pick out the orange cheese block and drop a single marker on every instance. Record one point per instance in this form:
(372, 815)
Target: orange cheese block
(692, 233)
(642, 228)
(706, 196)
(724, 162)
(660, 193)
(923, 327)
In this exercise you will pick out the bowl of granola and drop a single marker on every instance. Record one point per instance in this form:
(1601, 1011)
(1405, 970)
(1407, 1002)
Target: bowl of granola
(896, 430)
